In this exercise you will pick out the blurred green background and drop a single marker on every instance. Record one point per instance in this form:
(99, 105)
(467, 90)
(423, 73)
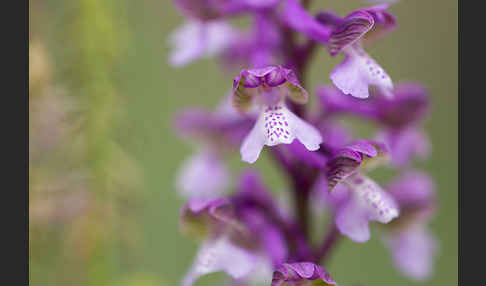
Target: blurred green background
(103, 154)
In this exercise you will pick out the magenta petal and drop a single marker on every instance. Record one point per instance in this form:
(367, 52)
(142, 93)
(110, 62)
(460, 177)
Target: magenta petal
(410, 103)
(364, 147)
(351, 221)
(413, 187)
(299, 19)
(335, 101)
(405, 144)
(346, 160)
(311, 158)
(301, 273)
(350, 30)
(385, 22)
(414, 252)
(262, 81)
(203, 175)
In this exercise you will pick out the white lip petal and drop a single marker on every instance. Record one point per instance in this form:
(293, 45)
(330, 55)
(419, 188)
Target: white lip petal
(220, 255)
(278, 125)
(379, 205)
(305, 133)
(357, 72)
(253, 143)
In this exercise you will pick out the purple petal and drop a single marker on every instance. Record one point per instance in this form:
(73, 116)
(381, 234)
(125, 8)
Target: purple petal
(345, 161)
(351, 220)
(409, 104)
(311, 158)
(203, 217)
(334, 101)
(251, 82)
(414, 252)
(343, 164)
(364, 147)
(221, 128)
(381, 158)
(301, 273)
(194, 40)
(384, 22)
(254, 203)
(334, 134)
(414, 192)
(405, 144)
(335, 199)
(413, 187)
(235, 7)
(350, 30)
(329, 18)
(298, 18)
(251, 186)
(271, 239)
(203, 175)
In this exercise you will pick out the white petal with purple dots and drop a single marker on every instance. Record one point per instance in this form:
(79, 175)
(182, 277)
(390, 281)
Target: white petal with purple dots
(278, 125)
(357, 72)
(379, 205)
(220, 255)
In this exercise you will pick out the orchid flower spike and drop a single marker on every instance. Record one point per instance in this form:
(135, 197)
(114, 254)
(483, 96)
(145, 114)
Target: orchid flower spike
(268, 88)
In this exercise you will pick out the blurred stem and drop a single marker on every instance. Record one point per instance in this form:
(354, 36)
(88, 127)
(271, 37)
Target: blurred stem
(301, 194)
(330, 240)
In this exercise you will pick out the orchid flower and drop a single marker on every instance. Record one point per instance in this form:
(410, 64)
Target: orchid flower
(268, 88)
(358, 71)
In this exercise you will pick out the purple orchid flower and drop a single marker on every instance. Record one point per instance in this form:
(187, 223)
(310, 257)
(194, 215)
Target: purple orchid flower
(405, 144)
(223, 128)
(220, 255)
(254, 204)
(268, 87)
(408, 105)
(223, 248)
(205, 174)
(415, 192)
(413, 247)
(301, 273)
(192, 180)
(197, 39)
(368, 202)
(398, 117)
(413, 252)
(358, 71)
(239, 225)
(359, 199)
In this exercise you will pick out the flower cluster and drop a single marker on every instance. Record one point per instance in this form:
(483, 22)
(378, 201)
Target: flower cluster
(249, 234)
